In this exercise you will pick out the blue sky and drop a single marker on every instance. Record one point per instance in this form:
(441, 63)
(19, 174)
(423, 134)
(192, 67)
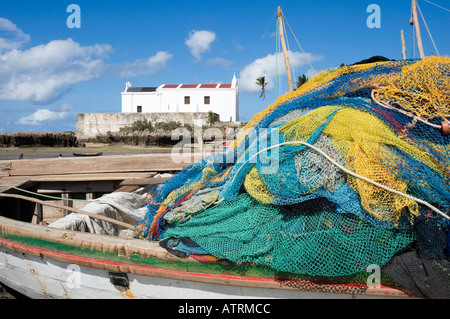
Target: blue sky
(49, 72)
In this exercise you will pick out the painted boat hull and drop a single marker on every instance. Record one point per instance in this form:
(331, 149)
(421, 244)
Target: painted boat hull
(40, 262)
(87, 154)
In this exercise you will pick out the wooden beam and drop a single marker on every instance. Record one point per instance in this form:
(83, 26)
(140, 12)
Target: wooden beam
(417, 28)
(143, 181)
(403, 45)
(38, 215)
(285, 54)
(105, 164)
(72, 209)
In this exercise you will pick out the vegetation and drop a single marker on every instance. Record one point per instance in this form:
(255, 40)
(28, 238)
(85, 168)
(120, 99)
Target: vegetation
(261, 81)
(302, 79)
(146, 125)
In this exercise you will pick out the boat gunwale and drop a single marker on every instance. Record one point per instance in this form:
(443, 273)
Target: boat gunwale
(122, 249)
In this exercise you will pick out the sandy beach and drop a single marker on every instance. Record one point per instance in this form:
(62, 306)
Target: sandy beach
(12, 153)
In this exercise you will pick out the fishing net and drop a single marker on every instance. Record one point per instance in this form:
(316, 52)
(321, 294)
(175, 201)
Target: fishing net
(348, 171)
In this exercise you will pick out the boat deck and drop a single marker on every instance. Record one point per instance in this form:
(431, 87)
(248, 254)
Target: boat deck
(80, 178)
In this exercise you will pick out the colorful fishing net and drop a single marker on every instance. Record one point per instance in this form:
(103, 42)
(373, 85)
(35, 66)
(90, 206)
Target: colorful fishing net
(349, 170)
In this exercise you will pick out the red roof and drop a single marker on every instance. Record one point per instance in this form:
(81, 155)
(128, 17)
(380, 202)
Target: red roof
(193, 86)
(188, 86)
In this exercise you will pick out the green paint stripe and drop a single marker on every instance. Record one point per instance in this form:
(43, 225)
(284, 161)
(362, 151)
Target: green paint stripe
(135, 259)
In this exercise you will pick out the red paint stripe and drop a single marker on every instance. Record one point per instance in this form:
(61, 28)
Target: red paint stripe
(113, 263)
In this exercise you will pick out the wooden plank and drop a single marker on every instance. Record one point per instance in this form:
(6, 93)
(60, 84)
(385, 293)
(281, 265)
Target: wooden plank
(78, 187)
(143, 181)
(105, 164)
(38, 214)
(126, 189)
(91, 177)
(17, 181)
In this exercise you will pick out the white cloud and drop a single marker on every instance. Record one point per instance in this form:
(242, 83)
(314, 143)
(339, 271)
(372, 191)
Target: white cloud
(267, 67)
(143, 67)
(11, 37)
(200, 42)
(43, 115)
(43, 73)
(223, 63)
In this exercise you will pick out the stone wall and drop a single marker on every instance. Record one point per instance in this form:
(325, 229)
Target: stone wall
(89, 125)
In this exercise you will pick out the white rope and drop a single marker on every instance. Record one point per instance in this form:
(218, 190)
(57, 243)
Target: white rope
(306, 56)
(348, 172)
(437, 5)
(403, 112)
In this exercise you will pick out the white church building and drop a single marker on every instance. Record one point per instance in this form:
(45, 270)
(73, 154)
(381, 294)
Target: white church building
(222, 99)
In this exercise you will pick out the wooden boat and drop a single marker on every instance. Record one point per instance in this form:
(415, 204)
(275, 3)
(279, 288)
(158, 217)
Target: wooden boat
(87, 154)
(43, 262)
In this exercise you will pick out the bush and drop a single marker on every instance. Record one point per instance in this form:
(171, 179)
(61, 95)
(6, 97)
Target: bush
(142, 125)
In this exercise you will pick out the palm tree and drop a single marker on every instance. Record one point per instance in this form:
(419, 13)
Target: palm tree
(261, 81)
(302, 79)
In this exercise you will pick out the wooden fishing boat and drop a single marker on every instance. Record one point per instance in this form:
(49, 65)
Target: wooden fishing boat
(43, 262)
(87, 154)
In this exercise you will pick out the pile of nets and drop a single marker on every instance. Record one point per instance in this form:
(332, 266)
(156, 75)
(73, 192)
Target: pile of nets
(348, 171)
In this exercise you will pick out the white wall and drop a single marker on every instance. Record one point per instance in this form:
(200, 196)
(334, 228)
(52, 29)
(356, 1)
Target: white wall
(223, 101)
(150, 102)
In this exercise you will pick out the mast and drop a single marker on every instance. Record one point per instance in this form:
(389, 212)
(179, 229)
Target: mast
(283, 44)
(415, 22)
(403, 45)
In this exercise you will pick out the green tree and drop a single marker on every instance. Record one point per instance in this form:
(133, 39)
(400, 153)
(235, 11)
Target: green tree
(301, 79)
(261, 81)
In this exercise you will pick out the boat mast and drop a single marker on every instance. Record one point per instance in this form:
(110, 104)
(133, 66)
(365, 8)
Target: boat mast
(403, 45)
(415, 22)
(283, 44)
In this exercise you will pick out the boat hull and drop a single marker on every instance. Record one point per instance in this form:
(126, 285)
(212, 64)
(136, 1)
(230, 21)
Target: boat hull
(40, 262)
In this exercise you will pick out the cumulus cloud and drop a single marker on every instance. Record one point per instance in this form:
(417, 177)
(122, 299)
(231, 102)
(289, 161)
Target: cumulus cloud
(267, 67)
(143, 67)
(43, 73)
(40, 74)
(200, 42)
(223, 63)
(44, 115)
(11, 37)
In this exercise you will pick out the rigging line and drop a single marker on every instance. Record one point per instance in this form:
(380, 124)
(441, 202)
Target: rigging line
(268, 25)
(306, 56)
(437, 5)
(42, 195)
(276, 61)
(426, 26)
(289, 50)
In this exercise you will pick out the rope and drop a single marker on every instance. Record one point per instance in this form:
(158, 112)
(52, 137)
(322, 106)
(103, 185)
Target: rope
(42, 195)
(404, 112)
(299, 45)
(348, 172)
(437, 5)
(429, 33)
